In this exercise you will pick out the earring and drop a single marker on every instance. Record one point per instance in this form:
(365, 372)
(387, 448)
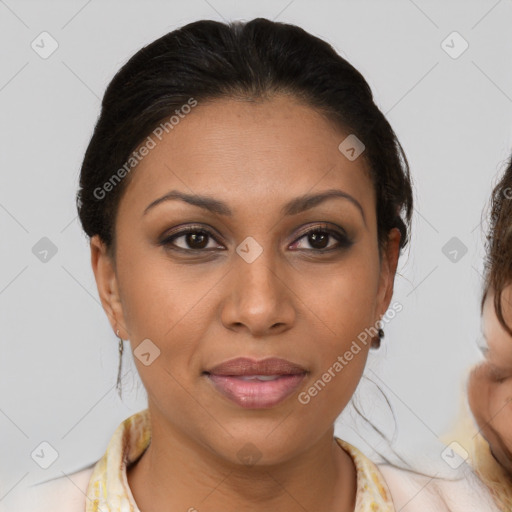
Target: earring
(118, 383)
(380, 335)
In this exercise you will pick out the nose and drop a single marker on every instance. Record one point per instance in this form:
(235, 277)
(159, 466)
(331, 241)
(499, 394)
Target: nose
(259, 297)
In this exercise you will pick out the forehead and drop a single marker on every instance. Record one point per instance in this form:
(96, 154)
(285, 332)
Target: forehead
(242, 151)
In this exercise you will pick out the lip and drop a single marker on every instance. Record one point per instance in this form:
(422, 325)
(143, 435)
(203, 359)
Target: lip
(248, 366)
(227, 378)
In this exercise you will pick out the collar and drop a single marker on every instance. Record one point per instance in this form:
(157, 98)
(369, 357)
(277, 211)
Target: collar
(108, 489)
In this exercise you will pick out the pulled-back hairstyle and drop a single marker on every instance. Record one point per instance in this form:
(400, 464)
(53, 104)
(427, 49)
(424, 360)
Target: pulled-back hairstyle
(498, 260)
(208, 60)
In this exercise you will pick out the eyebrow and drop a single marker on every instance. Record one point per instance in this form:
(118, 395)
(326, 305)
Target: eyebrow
(293, 207)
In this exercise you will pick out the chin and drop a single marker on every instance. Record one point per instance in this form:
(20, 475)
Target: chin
(263, 446)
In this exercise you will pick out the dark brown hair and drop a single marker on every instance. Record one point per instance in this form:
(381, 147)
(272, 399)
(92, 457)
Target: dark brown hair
(206, 60)
(498, 261)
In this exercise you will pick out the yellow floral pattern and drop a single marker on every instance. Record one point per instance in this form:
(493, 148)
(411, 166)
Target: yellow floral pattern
(108, 489)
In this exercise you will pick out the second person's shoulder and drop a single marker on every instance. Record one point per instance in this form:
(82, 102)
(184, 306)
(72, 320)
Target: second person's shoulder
(414, 492)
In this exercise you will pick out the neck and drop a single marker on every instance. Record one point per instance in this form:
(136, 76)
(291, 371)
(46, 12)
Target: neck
(177, 473)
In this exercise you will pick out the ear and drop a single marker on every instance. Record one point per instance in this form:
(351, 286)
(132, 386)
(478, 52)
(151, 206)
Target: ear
(106, 282)
(389, 262)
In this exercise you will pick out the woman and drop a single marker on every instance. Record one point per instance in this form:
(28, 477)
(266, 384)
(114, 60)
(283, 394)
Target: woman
(246, 203)
(490, 383)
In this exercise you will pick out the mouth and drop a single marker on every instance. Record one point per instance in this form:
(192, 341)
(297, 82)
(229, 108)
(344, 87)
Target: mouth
(256, 385)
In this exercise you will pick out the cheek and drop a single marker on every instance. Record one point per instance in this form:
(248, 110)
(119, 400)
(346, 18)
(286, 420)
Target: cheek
(345, 293)
(501, 411)
(157, 294)
(478, 394)
(165, 311)
(491, 404)
(341, 307)
(338, 309)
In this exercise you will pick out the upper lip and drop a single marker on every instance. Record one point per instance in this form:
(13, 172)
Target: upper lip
(247, 366)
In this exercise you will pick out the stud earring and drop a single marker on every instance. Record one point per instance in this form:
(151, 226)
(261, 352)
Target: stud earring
(380, 334)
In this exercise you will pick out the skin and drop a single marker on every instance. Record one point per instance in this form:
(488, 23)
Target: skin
(204, 308)
(490, 383)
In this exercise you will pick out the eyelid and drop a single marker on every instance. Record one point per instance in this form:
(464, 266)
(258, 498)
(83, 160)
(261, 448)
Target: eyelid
(338, 233)
(327, 226)
(183, 230)
(341, 236)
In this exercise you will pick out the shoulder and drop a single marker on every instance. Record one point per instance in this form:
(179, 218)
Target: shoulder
(62, 494)
(413, 492)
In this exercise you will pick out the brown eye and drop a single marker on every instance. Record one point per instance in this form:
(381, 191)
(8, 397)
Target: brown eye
(319, 239)
(197, 240)
(192, 240)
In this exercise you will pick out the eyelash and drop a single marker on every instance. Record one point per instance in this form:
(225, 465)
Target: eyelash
(343, 240)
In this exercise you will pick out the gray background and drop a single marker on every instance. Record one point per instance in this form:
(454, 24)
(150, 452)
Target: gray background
(453, 116)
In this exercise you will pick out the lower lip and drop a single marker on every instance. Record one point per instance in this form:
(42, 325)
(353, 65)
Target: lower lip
(256, 394)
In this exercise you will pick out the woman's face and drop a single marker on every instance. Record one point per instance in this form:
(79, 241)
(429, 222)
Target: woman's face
(250, 282)
(490, 383)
